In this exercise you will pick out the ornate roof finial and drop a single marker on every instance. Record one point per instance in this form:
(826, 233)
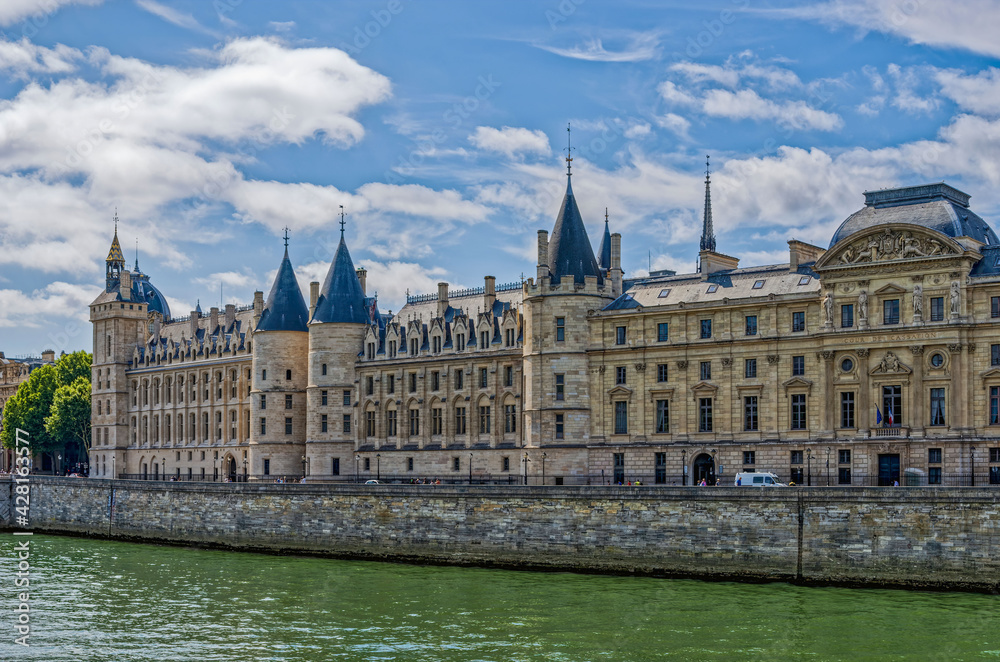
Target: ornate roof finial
(286, 237)
(569, 151)
(342, 221)
(137, 253)
(605, 215)
(707, 232)
(116, 221)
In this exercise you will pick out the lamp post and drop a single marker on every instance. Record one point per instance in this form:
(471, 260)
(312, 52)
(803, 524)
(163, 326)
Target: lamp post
(303, 466)
(543, 468)
(972, 460)
(378, 466)
(113, 474)
(470, 468)
(215, 469)
(713, 464)
(684, 467)
(357, 474)
(809, 473)
(58, 464)
(245, 474)
(525, 461)
(828, 449)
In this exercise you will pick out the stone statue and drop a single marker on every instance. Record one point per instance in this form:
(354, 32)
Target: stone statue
(863, 306)
(956, 297)
(918, 300)
(828, 307)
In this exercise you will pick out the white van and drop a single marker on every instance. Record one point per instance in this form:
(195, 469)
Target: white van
(757, 479)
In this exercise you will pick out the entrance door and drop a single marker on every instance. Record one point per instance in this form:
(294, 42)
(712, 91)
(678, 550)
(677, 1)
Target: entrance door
(232, 469)
(704, 469)
(619, 466)
(888, 469)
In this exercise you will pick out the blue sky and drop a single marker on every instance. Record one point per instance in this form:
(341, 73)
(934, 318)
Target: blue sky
(441, 128)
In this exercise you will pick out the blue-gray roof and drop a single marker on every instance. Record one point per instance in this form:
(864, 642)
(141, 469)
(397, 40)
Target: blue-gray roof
(934, 206)
(143, 290)
(285, 309)
(341, 298)
(604, 252)
(570, 252)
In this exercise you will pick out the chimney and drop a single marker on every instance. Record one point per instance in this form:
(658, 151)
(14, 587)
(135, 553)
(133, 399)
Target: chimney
(156, 326)
(195, 316)
(258, 307)
(543, 254)
(442, 299)
(230, 314)
(49, 356)
(125, 289)
(213, 318)
(616, 264)
(800, 252)
(363, 278)
(490, 293)
(314, 296)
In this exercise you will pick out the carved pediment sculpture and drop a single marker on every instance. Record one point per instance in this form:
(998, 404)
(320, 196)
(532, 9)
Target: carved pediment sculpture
(890, 364)
(891, 245)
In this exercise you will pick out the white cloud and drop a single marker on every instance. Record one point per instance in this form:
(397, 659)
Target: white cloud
(510, 140)
(391, 280)
(742, 67)
(979, 93)
(12, 11)
(674, 123)
(673, 94)
(640, 47)
(968, 25)
(907, 81)
(171, 15)
(36, 310)
(23, 57)
(282, 26)
(226, 278)
(637, 130)
(747, 104)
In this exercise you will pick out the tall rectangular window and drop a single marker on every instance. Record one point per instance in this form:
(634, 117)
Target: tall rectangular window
(704, 414)
(288, 425)
(750, 420)
(749, 457)
(750, 325)
(484, 377)
(620, 335)
(662, 332)
(413, 382)
(460, 420)
(847, 315)
(844, 456)
(436, 421)
(620, 374)
(937, 406)
(435, 380)
(560, 387)
(621, 418)
(937, 309)
(798, 321)
(994, 354)
(509, 419)
(323, 398)
(484, 420)
(391, 423)
(335, 466)
(369, 385)
(414, 422)
(347, 424)
(933, 456)
(508, 375)
(390, 383)
(706, 370)
(347, 398)
(458, 379)
(322, 423)
(663, 416)
(994, 306)
(847, 409)
(263, 398)
(892, 405)
(799, 411)
(750, 368)
(263, 427)
(288, 402)
(660, 464)
(706, 328)
(995, 405)
(560, 329)
(798, 365)
(890, 311)
(369, 424)
(661, 372)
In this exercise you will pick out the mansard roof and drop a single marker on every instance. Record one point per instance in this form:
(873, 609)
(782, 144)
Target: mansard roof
(937, 207)
(341, 298)
(285, 309)
(570, 252)
(146, 292)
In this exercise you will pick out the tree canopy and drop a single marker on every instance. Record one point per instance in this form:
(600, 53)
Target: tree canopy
(69, 416)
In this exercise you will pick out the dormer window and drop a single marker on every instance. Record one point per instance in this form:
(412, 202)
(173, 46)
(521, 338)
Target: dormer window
(712, 289)
(805, 280)
(758, 284)
(663, 294)
(414, 347)
(437, 344)
(460, 342)
(484, 340)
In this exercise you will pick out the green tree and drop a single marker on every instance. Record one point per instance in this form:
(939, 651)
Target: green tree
(69, 417)
(73, 366)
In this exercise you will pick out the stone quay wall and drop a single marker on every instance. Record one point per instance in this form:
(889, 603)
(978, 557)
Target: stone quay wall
(908, 537)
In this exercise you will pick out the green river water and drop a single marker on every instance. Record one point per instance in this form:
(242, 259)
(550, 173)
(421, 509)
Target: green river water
(111, 601)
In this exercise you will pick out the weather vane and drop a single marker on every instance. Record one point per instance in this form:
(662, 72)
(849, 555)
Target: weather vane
(342, 221)
(569, 150)
(286, 236)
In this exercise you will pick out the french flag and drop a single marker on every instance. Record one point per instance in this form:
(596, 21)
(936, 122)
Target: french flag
(888, 412)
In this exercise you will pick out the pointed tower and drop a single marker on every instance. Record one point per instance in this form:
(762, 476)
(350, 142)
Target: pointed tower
(569, 284)
(336, 338)
(280, 365)
(604, 252)
(707, 232)
(115, 262)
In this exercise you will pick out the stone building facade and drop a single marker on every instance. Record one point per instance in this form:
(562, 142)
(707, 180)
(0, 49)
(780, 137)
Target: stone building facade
(12, 373)
(872, 361)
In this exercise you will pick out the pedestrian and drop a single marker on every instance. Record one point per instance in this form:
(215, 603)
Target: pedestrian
(739, 481)
(895, 483)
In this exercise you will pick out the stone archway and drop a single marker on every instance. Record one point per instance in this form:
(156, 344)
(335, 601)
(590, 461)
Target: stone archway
(704, 469)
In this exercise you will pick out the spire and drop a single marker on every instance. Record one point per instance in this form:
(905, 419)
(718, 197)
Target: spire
(285, 309)
(114, 263)
(570, 251)
(604, 252)
(569, 151)
(197, 308)
(115, 254)
(136, 255)
(341, 298)
(707, 233)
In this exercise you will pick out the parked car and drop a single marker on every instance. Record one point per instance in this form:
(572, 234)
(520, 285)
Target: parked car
(372, 482)
(757, 479)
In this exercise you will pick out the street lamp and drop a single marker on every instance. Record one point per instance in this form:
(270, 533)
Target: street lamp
(972, 459)
(809, 472)
(245, 470)
(543, 468)
(470, 468)
(378, 466)
(525, 461)
(684, 467)
(113, 474)
(713, 464)
(357, 474)
(303, 466)
(828, 466)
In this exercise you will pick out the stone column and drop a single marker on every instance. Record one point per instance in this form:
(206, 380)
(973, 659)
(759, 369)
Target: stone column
(827, 393)
(917, 392)
(864, 391)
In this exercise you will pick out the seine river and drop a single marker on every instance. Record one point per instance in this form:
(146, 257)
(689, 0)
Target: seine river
(110, 602)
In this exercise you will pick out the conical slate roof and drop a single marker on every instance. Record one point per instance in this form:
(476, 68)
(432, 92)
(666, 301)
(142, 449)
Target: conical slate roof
(285, 309)
(570, 252)
(115, 254)
(604, 252)
(341, 298)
